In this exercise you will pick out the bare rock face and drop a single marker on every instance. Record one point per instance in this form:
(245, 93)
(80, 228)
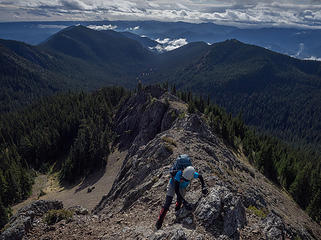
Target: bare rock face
(221, 212)
(273, 227)
(140, 118)
(22, 221)
(253, 198)
(185, 217)
(195, 124)
(137, 175)
(138, 121)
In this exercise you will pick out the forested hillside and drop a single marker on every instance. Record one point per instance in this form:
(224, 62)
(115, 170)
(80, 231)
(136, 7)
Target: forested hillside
(73, 127)
(23, 75)
(73, 59)
(110, 49)
(275, 93)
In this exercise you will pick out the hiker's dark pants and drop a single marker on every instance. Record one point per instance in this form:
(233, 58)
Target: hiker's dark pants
(170, 195)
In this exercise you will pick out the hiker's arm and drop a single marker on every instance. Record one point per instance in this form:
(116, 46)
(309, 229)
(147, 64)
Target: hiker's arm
(204, 189)
(179, 196)
(202, 180)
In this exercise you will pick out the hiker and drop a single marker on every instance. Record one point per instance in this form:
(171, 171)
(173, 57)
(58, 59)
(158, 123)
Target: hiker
(182, 173)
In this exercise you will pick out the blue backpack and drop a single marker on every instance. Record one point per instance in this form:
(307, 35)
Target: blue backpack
(180, 164)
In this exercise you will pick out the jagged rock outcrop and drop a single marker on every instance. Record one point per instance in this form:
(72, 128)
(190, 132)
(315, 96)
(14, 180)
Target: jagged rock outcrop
(140, 118)
(148, 117)
(154, 127)
(273, 226)
(22, 221)
(221, 212)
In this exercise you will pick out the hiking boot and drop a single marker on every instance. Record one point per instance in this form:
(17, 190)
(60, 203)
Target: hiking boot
(158, 224)
(161, 218)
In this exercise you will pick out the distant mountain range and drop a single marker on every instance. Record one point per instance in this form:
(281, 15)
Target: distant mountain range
(75, 58)
(300, 43)
(99, 47)
(275, 92)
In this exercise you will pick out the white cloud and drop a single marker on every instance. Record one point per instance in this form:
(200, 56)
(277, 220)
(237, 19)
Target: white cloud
(133, 28)
(301, 48)
(76, 5)
(166, 44)
(313, 58)
(102, 27)
(158, 48)
(304, 13)
(164, 41)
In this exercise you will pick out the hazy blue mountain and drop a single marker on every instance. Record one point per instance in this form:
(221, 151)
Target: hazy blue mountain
(74, 58)
(145, 41)
(275, 92)
(295, 42)
(301, 43)
(182, 56)
(31, 32)
(101, 47)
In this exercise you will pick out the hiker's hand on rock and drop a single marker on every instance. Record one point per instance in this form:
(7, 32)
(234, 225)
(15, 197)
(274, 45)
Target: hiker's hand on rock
(204, 191)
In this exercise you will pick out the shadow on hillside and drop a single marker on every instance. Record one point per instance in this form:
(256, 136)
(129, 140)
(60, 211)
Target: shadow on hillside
(91, 179)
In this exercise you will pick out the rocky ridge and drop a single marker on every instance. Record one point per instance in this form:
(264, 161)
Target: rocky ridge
(26, 217)
(155, 127)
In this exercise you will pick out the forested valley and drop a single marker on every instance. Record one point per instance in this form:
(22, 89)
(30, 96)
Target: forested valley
(70, 132)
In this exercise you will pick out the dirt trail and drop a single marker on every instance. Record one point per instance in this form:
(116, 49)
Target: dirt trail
(102, 182)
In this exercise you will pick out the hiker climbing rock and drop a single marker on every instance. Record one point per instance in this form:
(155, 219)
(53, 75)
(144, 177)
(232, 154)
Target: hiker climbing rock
(182, 172)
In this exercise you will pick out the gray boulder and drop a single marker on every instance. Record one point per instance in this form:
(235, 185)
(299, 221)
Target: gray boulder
(221, 212)
(186, 217)
(273, 227)
(252, 197)
(21, 222)
(173, 234)
(79, 210)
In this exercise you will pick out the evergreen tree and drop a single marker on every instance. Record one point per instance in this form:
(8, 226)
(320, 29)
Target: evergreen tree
(80, 127)
(174, 89)
(3, 215)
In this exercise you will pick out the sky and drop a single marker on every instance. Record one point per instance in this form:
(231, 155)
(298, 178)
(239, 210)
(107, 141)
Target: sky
(242, 13)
